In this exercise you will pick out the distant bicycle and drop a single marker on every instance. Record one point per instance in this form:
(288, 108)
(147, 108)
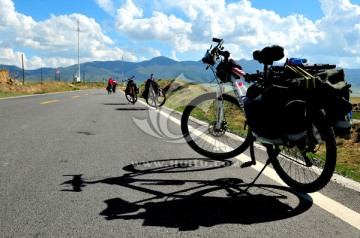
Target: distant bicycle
(156, 96)
(131, 90)
(109, 89)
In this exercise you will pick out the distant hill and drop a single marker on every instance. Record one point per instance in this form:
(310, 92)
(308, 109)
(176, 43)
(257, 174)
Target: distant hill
(161, 67)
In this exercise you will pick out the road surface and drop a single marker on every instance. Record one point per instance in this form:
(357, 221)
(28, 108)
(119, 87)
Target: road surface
(88, 164)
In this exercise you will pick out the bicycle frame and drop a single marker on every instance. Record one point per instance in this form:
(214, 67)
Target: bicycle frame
(219, 100)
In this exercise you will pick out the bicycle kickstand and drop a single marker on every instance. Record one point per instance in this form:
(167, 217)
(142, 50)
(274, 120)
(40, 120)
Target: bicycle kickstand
(271, 154)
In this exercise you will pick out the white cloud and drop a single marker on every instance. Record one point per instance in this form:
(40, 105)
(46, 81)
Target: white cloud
(54, 40)
(158, 27)
(9, 57)
(173, 55)
(245, 28)
(185, 27)
(238, 23)
(107, 6)
(154, 52)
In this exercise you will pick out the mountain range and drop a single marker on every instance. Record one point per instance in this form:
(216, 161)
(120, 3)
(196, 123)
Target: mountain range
(161, 67)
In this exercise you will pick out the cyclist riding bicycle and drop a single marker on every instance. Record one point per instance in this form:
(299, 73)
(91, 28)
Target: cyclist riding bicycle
(110, 84)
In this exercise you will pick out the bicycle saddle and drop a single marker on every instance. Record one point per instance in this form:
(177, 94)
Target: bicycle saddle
(269, 54)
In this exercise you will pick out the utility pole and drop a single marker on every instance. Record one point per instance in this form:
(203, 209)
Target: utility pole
(122, 61)
(23, 71)
(78, 29)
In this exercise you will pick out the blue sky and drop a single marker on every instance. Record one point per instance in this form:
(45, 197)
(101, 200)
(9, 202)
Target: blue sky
(323, 31)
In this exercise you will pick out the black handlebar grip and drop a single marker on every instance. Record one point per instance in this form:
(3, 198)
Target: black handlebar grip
(217, 40)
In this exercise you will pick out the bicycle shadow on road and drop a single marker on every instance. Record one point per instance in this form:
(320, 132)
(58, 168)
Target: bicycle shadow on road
(132, 109)
(196, 203)
(117, 104)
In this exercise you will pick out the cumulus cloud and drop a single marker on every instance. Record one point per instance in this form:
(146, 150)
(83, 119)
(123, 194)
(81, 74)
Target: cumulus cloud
(159, 26)
(54, 40)
(237, 22)
(184, 27)
(245, 28)
(107, 6)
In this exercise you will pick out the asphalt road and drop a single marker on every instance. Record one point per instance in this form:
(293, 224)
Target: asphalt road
(88, 164)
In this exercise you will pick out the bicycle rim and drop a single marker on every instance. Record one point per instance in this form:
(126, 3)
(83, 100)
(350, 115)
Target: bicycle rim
(311, 170)
(132, 97)
(197, 125)
(156, 99)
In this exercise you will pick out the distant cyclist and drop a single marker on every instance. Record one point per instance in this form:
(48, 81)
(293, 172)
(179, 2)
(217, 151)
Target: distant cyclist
(150, 81)
(110, 85)
(114, 83)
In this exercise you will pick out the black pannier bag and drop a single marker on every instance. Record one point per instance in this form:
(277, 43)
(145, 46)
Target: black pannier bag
(131, 84)
(328, 90)
(127, 90)
(333, 92)
(223, 70)
(275, 113)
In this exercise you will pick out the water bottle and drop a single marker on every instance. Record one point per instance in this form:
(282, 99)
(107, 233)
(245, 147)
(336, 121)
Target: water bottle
(241, 89)
(297, 61)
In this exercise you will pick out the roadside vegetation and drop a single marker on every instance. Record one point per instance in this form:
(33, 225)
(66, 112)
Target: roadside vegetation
(29, 88)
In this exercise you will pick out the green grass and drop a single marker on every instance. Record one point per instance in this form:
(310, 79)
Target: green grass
(9, 94)
(356, 115)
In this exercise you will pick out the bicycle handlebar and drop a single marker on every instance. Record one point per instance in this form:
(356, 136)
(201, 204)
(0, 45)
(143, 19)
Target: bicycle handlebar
(219, 49)
(128, 78)
(212, 55)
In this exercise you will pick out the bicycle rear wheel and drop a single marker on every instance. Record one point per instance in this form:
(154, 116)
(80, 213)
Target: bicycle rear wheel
(132, 97)
(309, 165)
(198, 122)
(156, 98)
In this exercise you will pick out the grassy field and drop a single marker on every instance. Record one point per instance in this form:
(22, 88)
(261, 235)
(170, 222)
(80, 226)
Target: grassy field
(29, 88)
(355, 99)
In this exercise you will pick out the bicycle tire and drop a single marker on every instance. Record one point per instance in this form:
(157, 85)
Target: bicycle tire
(200, 135)
(156, 100)
(291, 166)
(132, 97)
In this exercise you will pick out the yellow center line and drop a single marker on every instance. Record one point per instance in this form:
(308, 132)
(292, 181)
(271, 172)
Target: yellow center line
(49, 101)
(75, 96)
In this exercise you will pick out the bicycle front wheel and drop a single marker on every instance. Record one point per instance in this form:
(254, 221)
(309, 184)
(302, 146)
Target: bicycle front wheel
(156, 98)
(309, 165)
(198, 127)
